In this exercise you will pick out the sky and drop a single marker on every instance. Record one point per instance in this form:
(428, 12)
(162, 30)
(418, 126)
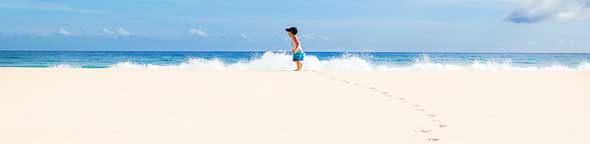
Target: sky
(327, 25)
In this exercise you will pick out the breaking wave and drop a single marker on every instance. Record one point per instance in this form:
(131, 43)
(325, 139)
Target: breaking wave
(276, 61)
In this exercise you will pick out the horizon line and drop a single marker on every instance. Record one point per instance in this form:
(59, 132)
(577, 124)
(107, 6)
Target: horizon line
(485, 52)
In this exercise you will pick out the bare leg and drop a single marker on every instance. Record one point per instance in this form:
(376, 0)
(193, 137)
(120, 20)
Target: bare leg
(299, 65)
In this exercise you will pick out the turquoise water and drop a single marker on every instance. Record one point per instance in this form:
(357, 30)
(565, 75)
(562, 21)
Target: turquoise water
(282, 60)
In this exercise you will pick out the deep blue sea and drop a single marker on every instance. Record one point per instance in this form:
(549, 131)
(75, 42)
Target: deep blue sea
(362, 61)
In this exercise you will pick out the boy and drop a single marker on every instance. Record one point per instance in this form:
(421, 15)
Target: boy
(297, 50)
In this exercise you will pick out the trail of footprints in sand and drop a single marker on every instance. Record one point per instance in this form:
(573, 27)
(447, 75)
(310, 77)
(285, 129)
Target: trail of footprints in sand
(402, 100)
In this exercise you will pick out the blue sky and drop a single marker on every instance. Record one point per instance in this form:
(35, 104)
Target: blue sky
(326, 25)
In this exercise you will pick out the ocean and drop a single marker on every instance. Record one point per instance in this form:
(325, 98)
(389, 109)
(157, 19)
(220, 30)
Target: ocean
(277, 61)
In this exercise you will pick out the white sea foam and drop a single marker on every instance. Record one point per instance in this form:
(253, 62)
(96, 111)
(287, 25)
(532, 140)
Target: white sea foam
(63, 66)
(282, 61)
(585, 66)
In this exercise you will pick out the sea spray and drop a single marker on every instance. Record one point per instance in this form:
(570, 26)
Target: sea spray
(273, 61)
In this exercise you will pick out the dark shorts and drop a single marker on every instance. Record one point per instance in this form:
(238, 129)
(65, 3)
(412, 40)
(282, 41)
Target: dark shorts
(298, 56)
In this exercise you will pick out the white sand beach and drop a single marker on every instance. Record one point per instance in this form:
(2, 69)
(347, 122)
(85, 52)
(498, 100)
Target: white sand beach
(176, 106)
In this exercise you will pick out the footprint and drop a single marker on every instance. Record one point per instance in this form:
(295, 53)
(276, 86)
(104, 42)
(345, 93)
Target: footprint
(416, 105)
(384, 93)
(425, 131)
(431, 115)
(433, 139)
(442, 125)
(421, 109)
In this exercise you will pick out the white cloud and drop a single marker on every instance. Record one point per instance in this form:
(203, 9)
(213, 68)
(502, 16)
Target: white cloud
(533, 11)
(120, 32)
(46, 6)
(198, 32)
(123, 32)
(314, 36)
(244, 36)
(62, 31)
(107, 31)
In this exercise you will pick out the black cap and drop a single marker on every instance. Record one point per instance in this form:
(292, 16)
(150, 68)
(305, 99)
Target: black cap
(293, 30)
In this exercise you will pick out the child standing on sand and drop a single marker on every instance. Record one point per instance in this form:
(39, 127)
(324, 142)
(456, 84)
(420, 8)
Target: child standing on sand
(297, 50)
